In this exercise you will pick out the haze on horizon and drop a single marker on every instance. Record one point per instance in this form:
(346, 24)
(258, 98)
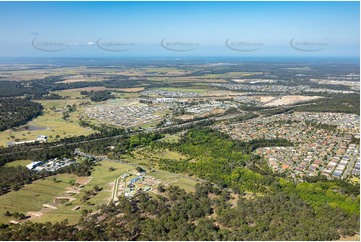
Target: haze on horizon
(133, 29)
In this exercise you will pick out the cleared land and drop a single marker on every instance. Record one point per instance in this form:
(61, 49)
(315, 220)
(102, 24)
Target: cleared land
(50, 123)
(101, 177)
(133, 89)
(148, 159)
(69, 94)
(33, 196)
(287, 100)
(18, 163)
(232, 75)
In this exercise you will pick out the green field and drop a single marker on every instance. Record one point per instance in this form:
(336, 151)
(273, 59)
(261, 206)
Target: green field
(183, 89)
(18, 163)
(33, 196)
(70, 94)
(50, 122)
(231, 75)
(171, 138)
(102, 177)
(172, 179)
(148, 159)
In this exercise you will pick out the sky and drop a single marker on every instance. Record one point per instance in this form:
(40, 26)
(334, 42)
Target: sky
(121, 29)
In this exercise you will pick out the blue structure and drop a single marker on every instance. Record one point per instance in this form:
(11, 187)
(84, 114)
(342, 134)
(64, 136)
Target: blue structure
(135, 179)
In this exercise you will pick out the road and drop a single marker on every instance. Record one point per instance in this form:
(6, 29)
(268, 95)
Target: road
(114, 196)
(349, 167)
(130, 133)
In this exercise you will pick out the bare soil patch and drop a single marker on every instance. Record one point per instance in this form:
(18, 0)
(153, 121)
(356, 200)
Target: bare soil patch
(83, 180)
(287, 100)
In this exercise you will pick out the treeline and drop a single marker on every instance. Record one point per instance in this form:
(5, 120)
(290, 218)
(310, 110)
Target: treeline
(58, 148)
(231, 163)
(115, 147)
(97, 143)
(15, 177)
(321, 125)
(16, 89)
(206, 214)
(218, 157)
(52, 96)
(17, 111)
(338, 103)
(242, 118)
(98, 96)
(333, 193)
(275, 111)
(252, 145)
(186, 126)
(40, 88)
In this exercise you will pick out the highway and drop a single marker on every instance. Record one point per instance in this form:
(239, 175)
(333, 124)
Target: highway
(184, 125)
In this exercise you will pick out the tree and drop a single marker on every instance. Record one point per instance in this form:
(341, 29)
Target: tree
(140, 169)
(161, 188)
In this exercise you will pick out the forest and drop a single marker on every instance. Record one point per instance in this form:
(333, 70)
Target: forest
(206, 214)
(16, 89)
(98, 96)
(230, 163)
(17, 111)
(338, 103)
(275, 208)
(61, 147)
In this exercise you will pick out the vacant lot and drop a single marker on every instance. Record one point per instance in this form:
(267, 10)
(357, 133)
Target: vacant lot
(287, 100)
(172, 179)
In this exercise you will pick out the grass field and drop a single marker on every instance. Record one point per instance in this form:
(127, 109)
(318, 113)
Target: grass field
(18, 163)
(183, 89)
(148, 159)
(231, 75)
(172, 179)
(70, 94)
(171, 138)
(129, 95)
(102, 177)
(33, 196)
(50, 122)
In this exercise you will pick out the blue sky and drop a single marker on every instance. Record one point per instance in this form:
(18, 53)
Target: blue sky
(109, 29)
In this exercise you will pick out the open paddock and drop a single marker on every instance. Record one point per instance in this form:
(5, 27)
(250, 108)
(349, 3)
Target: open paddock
(32, 197)
(288, 100)
(51, 122)
(96, 88)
